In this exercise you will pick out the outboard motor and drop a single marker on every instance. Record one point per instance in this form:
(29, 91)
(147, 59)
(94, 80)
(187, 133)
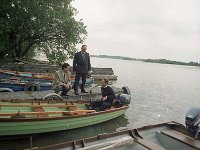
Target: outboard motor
(122, 99)
(192, 121)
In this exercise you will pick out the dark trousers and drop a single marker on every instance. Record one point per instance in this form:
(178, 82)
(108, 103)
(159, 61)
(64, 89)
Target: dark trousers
(62, 88)
(77, 79)
(102, 104)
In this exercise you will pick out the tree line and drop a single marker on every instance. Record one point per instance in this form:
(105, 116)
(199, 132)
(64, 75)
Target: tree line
(165, 61)
(162, 61)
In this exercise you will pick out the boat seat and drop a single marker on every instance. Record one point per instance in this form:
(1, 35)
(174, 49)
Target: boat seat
(40, 109)
(144, 142)
(148, 144)
(72, 107)
(182, 138)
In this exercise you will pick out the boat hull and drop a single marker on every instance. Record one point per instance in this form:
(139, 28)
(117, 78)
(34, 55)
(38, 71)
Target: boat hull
(165, 136)
(21, 126)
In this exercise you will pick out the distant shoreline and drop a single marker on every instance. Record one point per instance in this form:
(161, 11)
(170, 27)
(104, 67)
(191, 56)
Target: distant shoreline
(161, 61)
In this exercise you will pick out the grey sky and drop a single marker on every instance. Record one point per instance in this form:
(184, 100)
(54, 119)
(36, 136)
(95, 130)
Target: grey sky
(167, 29)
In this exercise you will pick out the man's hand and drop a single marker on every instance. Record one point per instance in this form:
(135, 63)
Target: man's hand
(90, 72)
(114, 101)
(104, 98)
(66, 86)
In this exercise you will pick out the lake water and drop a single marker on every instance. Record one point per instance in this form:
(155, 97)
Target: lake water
(160, 93)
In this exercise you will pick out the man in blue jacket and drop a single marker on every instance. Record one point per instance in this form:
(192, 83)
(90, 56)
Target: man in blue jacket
(81, 66)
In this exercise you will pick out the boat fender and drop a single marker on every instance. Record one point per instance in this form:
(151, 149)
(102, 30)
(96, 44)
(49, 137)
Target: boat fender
(52, 96)
(126, 90)
(6, 90)
(32, 86)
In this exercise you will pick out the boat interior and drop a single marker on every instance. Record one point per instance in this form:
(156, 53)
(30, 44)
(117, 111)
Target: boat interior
(41, 109)
(45, 109)
(166, 136)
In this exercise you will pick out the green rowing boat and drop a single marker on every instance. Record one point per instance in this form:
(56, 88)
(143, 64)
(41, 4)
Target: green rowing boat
(33, 117)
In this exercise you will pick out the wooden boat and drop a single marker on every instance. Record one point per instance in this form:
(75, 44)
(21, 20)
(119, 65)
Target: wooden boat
(8, 86)
(24, 86)
(32, 117)
(32, 77)
(164, 136)
(26, 76)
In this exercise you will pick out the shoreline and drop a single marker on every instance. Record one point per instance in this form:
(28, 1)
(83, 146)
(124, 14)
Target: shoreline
(160, 61)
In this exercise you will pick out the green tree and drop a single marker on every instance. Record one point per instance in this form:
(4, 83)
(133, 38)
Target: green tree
(31, 26)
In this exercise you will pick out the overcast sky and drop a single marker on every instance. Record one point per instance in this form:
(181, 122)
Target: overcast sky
(167, 29)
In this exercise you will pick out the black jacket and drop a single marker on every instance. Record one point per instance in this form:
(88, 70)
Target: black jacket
(81, 65)
(108, 91)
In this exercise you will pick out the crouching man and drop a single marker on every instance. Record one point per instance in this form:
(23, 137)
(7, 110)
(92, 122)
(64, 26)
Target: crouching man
(108, 97)
(62, 80)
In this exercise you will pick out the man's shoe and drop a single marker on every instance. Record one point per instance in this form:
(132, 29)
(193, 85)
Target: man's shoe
(90, 108)
(83, 91)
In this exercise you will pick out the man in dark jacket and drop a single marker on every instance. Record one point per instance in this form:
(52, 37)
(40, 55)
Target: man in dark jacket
(81, 66)
(108, 97)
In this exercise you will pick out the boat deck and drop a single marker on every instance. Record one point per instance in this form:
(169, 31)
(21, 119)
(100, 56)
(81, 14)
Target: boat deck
(39, 95)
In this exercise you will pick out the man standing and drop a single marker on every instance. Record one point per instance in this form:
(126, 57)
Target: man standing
(81, 66)
(62, 80)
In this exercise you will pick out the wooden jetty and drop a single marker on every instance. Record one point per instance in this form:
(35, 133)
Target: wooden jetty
(94, 93)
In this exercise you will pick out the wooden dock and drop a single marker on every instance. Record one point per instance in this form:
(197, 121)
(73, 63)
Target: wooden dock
(39, 95)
